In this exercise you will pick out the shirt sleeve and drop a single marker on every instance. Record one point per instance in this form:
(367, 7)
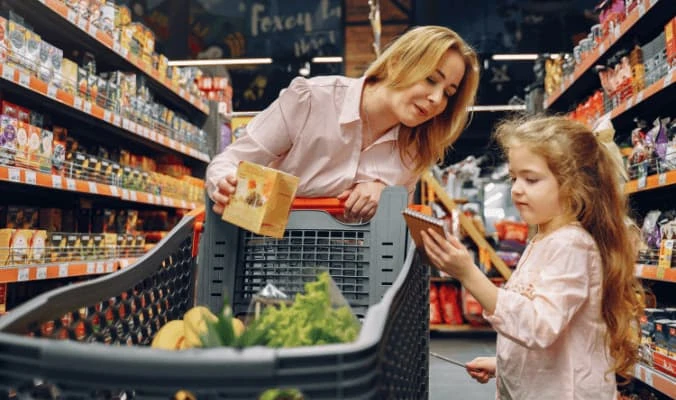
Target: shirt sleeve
(538, 319)
(269, 135)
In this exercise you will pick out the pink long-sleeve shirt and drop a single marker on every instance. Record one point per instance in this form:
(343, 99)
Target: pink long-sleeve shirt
(313, 130)
(548, 319)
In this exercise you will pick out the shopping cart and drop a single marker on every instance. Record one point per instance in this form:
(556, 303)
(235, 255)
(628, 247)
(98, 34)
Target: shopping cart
(99, 318)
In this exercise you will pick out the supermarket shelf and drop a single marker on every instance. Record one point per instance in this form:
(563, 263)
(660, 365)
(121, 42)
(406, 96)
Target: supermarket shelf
(651, 182)
(38, 272)
(442, 279)
(659, 87)
(656, 379)
(459, 328)
(55, 20)
(654, 273)
(41, 179)
(93, 111)
(647, 15)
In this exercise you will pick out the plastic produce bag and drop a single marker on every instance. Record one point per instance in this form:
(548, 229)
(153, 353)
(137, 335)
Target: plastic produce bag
(320, 315)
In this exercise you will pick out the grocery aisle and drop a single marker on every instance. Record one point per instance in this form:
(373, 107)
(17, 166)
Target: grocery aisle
(448, 381)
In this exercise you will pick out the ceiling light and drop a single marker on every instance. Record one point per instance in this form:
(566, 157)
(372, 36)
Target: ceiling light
(514, 57)
(505, 107)
(318, 60)
(222, 61)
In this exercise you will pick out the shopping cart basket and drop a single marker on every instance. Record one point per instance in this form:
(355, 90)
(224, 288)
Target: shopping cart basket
(389, 360)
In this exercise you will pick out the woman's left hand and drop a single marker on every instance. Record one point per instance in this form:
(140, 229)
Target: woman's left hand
(361, 201)
(448, 254)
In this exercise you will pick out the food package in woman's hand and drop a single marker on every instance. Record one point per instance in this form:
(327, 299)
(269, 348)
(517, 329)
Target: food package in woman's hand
(262, 200)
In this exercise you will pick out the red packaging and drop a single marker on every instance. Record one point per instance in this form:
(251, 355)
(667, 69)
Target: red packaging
(450, 307)
(435, 313)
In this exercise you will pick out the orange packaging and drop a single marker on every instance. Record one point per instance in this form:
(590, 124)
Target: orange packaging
(262, 200)
(670, 36)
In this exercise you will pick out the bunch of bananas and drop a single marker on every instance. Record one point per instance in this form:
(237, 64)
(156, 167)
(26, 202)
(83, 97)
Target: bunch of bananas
(196, 329)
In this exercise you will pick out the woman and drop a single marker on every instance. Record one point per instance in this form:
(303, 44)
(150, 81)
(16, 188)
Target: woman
(349, 138)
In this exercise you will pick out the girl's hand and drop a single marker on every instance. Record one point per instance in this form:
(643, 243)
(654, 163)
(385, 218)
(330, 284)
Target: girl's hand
(361, 201)
(482, 369)
(224, 191)
(447, 254)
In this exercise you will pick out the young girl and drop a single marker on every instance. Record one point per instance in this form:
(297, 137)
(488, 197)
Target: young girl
(567, 318)
(350, 137)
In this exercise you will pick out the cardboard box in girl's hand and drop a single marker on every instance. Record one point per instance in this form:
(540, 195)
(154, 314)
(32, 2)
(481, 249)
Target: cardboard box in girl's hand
(262, 200)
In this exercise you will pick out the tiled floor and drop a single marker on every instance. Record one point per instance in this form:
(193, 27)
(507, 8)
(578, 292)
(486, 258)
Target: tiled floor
(448, 381)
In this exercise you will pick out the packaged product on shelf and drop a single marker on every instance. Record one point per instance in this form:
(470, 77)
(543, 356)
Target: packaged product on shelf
(37, 119)
(130, 243)
(97, 243)
(45, 151)
(79, 168)
(122, 16)
(31, 218)
(33, 41)
(33, 153)
(120, 222)
(670, 38)
(20, 246)
(132, 221)
(68, 77)
(10, 109)
(102, 88)
(4, 41)
(20, 156)
(121, 245)
(72, 247)
(109, 245)
(57, 247)
(86, 247)
(59, 144)
(17, 40)
(38, 244)
(5, 241)
(82, 83)
(672, 339)
(107, 20)
(23, 114)
(662, 336)
(8, 126)
(95, 11)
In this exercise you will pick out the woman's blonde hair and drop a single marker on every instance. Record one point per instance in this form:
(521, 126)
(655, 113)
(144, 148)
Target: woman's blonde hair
(412, 58)
(588, 183)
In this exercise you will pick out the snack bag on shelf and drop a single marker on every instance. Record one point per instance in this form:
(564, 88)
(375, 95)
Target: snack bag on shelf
(450, 309)
(435, 312)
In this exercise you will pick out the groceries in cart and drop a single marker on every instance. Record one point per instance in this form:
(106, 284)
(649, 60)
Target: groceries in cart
(262, 200)
(320, 315)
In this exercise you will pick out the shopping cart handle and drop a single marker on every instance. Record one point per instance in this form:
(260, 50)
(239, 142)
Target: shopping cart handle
(331, 205)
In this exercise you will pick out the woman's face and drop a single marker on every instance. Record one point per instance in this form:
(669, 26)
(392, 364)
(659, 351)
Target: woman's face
(428, 98)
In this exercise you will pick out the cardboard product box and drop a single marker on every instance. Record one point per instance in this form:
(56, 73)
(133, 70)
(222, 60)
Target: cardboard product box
(122, 16)
(4, 41)
(56, 66)
(107, 20)
(33, 41)
(45, 71)
(82, 83)
(8, 128)
(87, 247)
(5, 242)
(132, 221)
(98, 248)
(37, 119)
(69, 76)
(59, 143)
(20, 246)
(116, 172)
(17, 42)
(21, 155)
(670, 38)
(50, 219)
(110, 245)
(94, 169)
(45, 151)
(672, 339)
(73, 246)
(132, 250)
(93, 86)
(662, 335)
(10, 109)
(57, 247)
(262, 200)
(34, 144)
(23, 114)
(121, 249)
(38, 251)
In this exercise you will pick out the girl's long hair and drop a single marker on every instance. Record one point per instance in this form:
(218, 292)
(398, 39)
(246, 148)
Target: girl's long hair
(589, 187)
(412, 58)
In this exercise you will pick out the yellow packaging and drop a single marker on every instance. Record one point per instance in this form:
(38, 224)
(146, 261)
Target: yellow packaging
(262, 200)
(5, 243)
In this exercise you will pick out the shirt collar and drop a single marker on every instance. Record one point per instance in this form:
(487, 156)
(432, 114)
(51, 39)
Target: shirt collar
(352, 101)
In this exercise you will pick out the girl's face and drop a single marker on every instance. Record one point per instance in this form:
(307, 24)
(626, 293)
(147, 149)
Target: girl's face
(535, 190)
(428, 98)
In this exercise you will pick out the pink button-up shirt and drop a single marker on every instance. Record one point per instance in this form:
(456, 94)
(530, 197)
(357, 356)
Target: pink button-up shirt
(313, 130)
(550, 329)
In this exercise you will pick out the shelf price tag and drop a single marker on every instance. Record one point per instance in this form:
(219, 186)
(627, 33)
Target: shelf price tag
(51, 91)
(63, 270)
(41, 273)
(91, 268)
(648, 377)
(641, 9)
(100, 267)
(57, 182)
(31, 177)
(602, 47)
(70, 184)
(71, 16)
(110, 267)
(8, 73)
(184, 204)
(82, 23)
(132, 195)
(23, 275)
(639, 97)
(14, 175)
(116, 46)
(87, 107)
(114, 191)
(107, 116)
(77, 103)
(668, 78)
(92, 30)
(116, 120)
(125, 194)
(124, 52)
(24, 79)
(92, 187)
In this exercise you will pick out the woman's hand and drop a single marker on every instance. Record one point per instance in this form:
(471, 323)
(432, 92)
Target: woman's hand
(448, 254)
(482, 369)
(224, 191)
(361, 201)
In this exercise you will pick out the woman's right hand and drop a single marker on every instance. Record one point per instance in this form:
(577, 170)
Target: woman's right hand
(224, 190)
(482, 369)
